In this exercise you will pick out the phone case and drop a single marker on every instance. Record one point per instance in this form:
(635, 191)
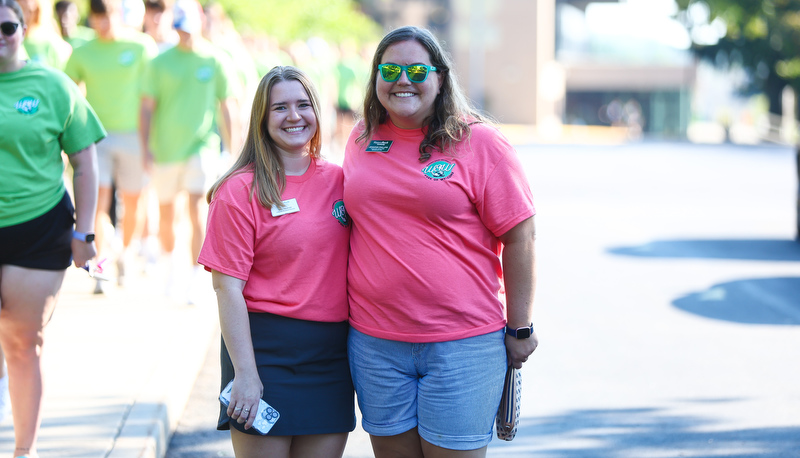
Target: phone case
(266, 415)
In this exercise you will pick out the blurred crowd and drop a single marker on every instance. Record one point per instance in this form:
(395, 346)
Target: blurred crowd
(339, 71)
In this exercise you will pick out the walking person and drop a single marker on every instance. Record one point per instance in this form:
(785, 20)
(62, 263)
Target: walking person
(43, 42)
(41, 232)
(182, 90)
(110, 69)
(431, 336)
(277, 247)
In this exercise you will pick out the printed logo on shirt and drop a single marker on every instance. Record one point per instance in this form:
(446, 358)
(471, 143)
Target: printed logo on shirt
(439, 170)
(204, 74)
(126, 58)
(340, 213)
(27, 105)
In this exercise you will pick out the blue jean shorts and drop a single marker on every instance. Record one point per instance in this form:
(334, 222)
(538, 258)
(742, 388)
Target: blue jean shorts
(450, 391)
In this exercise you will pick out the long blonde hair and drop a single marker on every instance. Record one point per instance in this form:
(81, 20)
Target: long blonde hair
(259, 153)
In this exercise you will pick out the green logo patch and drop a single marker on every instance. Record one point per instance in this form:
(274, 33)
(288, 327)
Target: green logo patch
(126, 58)
(204, 74)
(27, 105)
(438, 170)
(340, 213)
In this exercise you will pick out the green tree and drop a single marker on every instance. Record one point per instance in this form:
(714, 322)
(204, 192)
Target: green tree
(289, 20)
(763, 36)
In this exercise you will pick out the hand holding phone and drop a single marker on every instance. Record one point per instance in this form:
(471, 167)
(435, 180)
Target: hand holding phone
(266, 415)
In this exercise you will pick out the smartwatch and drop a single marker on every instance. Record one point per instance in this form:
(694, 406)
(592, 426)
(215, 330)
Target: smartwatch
(87, 237)
(520, 333)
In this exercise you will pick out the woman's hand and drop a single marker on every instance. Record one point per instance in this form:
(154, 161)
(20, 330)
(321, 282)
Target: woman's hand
(245, 396)
(518, 350)
(83, 252)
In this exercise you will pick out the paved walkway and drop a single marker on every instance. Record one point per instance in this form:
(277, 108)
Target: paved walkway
(119, 368)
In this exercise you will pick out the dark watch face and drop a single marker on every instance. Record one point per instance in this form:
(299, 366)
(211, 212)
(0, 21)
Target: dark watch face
(523, 333)
(89, 238)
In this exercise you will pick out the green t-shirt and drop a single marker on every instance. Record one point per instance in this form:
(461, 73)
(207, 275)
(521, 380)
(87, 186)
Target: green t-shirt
(112, 72)
(187, 87)
(81, 36)
(47, 49)
(42, 113)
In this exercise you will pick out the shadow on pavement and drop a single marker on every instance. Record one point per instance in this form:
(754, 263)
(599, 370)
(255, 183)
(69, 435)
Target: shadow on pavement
(752, 301)
(744, 249)
(642, 432)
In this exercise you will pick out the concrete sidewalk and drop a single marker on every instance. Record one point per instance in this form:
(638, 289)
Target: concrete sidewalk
(119, 368)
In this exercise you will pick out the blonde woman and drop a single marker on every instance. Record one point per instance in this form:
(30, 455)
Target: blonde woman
(277, 244)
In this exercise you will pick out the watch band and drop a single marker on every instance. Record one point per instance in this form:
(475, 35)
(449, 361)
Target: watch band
(86, 237)
(520, 333)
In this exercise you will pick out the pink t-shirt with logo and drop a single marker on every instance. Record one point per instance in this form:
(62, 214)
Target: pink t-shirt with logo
(295, 264)
(424, 262)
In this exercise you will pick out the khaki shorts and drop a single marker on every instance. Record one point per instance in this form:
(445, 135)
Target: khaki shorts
(171, 178)
(119, 160)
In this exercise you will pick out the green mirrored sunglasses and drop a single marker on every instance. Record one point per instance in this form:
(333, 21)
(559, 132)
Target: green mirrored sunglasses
(416, 73)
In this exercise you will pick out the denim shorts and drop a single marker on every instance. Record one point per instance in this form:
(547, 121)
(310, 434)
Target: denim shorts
(450, 391)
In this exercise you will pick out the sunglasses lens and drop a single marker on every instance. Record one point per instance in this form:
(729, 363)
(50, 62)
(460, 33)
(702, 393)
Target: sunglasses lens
(417, 73)
(390, 72)
(8, 28)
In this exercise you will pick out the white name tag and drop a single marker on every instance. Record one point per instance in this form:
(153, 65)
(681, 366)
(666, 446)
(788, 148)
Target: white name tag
(289, 206)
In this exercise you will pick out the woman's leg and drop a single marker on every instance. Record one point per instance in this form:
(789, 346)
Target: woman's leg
(319, 445)
(404, 445)
(27, 300)
(251, 446)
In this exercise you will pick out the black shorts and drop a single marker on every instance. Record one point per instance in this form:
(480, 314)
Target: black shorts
(44, 242)
(306, 376)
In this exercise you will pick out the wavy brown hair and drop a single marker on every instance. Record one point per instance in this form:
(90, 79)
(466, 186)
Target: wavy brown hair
(452, 112)
(259, 153)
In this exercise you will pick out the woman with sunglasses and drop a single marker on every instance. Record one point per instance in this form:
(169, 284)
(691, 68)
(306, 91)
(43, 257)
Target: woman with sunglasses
(277, 244)
(442, 222)
(42, 114)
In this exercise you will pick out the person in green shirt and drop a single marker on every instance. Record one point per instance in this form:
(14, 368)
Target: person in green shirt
(43, 43)
(68, 22)
(41, 231)
(110, 69)
(182, 90)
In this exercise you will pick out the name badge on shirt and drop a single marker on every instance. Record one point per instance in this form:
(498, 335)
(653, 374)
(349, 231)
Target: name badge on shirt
(289, 206)
(379, 146)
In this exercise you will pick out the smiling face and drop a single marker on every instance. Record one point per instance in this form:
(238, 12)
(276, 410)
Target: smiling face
(407, 103)
(9, 46)
(291, 123)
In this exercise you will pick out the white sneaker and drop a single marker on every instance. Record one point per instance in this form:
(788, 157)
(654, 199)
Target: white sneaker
(5, 399)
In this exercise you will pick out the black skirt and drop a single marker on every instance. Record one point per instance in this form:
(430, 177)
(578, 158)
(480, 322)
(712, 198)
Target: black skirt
(306, 376)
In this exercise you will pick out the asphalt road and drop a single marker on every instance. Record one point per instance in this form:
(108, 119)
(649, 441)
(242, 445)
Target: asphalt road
(668, 308)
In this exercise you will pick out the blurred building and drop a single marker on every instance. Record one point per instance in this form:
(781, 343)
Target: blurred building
(553, 62)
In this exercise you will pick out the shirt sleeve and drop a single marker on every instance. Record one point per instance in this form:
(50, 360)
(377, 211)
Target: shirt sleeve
(507, 199)
(230, 240)
(82, 127)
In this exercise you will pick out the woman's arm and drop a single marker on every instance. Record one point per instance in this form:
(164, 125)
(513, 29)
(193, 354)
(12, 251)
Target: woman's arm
(84, 184)
(519, 273)
(235, 327)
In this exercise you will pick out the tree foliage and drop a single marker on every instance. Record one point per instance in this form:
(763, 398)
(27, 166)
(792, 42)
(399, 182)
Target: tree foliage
(289, 20)
(763, 36)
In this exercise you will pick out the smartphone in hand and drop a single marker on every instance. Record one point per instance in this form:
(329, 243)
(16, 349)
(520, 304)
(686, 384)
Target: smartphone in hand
(266, 415)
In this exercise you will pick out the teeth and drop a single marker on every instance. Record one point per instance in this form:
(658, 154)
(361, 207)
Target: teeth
(293, 129)
(404, 94)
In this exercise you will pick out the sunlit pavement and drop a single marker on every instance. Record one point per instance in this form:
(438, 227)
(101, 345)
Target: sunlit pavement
(668, 304)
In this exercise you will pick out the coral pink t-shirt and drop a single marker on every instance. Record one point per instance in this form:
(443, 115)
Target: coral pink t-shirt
(295, 265)
(424, 261)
